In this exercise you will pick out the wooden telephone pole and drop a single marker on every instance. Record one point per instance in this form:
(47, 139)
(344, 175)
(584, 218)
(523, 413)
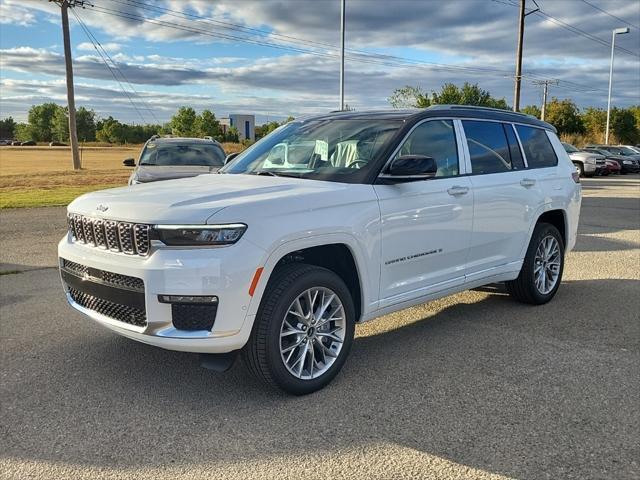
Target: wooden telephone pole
(518, 78)
(545, 91)
(65, 5)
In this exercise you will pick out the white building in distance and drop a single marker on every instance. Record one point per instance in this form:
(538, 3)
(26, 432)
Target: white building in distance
(245, 124)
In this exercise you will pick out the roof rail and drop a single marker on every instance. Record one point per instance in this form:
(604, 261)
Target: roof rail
(476, 107)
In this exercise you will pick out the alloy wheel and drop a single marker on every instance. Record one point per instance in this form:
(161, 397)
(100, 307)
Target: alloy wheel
(312, 333)
(547, 261)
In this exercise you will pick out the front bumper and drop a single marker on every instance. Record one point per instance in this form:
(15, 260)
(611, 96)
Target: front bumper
(626, 168)
(224, 272)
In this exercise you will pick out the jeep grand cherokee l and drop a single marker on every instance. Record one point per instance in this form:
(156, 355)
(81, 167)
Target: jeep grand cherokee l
(280, 255)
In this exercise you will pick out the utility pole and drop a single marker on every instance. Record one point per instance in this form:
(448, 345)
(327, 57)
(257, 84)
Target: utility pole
(518, 78)
(545, 84)
(71, 102)
(516, 93)
(342, 8)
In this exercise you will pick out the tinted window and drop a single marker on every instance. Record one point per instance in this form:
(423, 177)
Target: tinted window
(435, 139)
(488, 147)
(517, 162)
(172, 154)
(537, 147)
(342, 150)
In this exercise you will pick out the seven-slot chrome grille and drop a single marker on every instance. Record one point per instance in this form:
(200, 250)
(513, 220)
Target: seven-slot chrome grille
(129, 238)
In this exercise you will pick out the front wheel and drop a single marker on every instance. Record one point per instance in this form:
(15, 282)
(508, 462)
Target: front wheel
(541, 272)
(303, 331)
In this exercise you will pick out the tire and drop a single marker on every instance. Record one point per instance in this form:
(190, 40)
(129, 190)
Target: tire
(580, 168)
(525, 288)
(266, 351)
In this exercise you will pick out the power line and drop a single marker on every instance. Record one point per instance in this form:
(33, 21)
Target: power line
(362, 57)
(567, 26)
(611, 15)
(84, 28)
(359, 55)
(115, 66)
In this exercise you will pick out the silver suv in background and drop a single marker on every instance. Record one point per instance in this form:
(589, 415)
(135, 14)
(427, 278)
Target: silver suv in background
(587, 163)
(166, 158)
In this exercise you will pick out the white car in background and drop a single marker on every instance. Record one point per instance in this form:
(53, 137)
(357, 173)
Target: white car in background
(588, 164)
(280, 255)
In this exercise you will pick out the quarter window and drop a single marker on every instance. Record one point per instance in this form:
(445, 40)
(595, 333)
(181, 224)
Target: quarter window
(436, 139)
(537, 147)
(488, 147)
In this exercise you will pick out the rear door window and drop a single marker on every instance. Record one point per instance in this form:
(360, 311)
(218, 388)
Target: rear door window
(537, 147)
(488, 147)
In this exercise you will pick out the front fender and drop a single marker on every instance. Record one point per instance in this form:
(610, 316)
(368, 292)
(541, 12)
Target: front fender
(367, 273)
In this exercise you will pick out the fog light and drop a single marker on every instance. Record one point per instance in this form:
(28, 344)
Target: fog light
(197, 299)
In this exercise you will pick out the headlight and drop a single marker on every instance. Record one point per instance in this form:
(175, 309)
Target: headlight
(627, 162)
(194, 235)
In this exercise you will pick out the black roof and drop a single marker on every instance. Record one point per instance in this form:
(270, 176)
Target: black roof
(451, 111)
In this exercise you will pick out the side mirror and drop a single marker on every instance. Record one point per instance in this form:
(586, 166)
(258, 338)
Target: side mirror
(230, 157)
(129, 162)
(412, 167)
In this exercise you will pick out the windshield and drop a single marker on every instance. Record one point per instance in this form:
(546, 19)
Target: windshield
(569, 148)
(627, 151)
(175, 154)
(334, 150)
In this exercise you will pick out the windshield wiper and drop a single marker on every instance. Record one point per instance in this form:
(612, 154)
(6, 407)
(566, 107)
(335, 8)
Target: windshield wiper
(265, 172)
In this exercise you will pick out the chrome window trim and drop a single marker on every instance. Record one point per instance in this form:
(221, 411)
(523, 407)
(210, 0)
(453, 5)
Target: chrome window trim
(524, 156)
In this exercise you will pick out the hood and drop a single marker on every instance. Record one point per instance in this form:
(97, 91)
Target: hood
(194, 200)
(585, 156)
(152, 173)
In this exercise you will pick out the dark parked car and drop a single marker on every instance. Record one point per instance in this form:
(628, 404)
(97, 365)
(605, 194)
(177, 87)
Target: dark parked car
(166, 158)
(28, 143)
(628, 159)
(619, 159)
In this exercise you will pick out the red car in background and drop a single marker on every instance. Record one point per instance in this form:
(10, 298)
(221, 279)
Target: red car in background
(611, 167)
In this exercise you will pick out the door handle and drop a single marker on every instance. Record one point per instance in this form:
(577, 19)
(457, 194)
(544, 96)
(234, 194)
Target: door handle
(527, 182)
(457, 190)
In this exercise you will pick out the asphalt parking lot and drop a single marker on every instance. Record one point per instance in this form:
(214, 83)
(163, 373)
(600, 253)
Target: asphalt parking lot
(470, 386)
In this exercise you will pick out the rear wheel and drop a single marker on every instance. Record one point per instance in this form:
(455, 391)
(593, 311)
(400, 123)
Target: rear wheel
(303, 331)
(541, 272)
(580, 168)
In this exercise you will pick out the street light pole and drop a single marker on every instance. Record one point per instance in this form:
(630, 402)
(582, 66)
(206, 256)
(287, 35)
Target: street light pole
(617, 31)
(342, 55)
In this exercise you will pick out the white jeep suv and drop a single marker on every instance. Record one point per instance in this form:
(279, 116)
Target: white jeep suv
(326, 222)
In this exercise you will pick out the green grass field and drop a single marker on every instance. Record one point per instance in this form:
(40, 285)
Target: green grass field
(42, 176)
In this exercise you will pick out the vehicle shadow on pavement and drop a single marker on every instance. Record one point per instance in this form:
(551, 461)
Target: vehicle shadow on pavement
(475, 378)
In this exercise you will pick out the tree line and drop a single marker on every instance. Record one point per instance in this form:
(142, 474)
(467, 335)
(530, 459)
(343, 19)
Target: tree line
(49, 122)
(573, 124)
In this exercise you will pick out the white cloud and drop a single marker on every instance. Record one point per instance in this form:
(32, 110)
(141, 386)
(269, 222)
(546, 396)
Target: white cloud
(109, 47)
(16, 15)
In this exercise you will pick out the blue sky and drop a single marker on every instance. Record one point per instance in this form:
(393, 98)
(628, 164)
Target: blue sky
(206, 53)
